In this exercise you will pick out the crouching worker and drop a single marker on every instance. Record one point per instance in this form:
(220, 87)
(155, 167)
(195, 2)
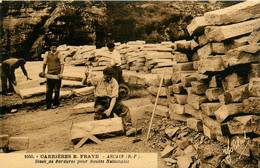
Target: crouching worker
(106, 99)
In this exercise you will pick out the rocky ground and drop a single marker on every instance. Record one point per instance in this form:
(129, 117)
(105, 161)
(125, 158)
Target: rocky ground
(49, 131)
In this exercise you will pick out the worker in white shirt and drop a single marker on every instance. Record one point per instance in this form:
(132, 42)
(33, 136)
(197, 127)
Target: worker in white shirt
(115, 62)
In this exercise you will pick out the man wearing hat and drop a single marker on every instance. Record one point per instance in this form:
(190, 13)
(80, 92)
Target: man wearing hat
(55, 63)
(115, 62)
(106, 94)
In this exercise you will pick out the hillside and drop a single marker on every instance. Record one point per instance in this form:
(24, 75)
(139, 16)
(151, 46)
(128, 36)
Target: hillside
(25, 24)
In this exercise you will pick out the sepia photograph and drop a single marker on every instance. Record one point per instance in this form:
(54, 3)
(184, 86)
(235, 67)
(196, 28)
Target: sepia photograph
(135, 84)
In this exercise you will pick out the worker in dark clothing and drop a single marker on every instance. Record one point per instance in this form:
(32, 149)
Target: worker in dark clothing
(55, 63)
(8, 73)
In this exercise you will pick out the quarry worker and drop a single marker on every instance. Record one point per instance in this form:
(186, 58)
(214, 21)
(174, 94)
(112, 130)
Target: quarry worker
(55, 63)
(106, 98)
(115, 62)
(8, 73)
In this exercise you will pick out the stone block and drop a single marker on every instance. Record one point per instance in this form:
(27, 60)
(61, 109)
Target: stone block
(188, 66)
(244, 124)
(237, 95)
(28, 84)
(83, 108)
(193, 45)
(180, 57)
(191, 111)
(160, 70)
(167, 151)
(210, 108)
(238, 42)
(141, 81)
(96, 127)
(252, 105)
(233, 14)
(152, 81)
(169, 91)
(197, 25)
(30, 92)
(195, 65)
(202, 78)
(213, 94)
(211, 63)
(254, 87)
(161, 100)
(205, 51)
(212, 124)
(163, 64)
(195, 57)
(154, 91)
(167, 79)
(132, 79)
(195, 101)
(4, 141)
(83, 91)
(224, 112)
(126, 78)
(67, 83)
(203, 40)
(178, 117)
(254, 37)
(182, 45)
(180, 99)
(220, 33)
(198, 87)
(215, 81)
(177, 108)
(171, 99)
(178, 76)
(232, 81)
(254, 73)
(186, 80)
(242, 55)
(177, 88)
(208, 132)
(65, 94)
(18, 143)
(219, 48)
(195, 124)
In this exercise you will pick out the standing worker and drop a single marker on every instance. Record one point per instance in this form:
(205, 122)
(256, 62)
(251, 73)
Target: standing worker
(115, 62)
(106, 99)
(55, 64)
(8, 73)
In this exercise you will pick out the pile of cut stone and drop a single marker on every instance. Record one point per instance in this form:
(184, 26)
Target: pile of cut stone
(215, 84)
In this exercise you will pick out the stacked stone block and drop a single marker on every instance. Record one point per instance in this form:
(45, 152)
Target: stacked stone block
(218, 83)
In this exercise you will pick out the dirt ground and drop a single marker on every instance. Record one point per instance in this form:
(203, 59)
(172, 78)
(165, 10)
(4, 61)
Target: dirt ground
(49, 130)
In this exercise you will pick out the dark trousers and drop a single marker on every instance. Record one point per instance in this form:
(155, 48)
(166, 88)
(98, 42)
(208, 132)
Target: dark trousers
(53, 85)
(4, 78)
(120, 109)
(118, 75)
